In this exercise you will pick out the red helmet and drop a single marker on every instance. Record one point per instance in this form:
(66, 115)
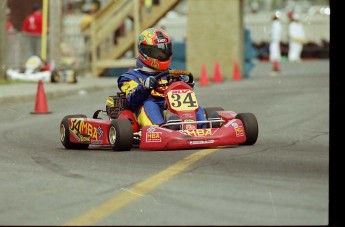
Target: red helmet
(154, 48)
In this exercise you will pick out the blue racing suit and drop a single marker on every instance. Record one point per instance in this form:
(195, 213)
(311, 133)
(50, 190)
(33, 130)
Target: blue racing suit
(147, 105)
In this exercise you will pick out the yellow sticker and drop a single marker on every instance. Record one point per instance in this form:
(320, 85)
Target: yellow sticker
(182, 100)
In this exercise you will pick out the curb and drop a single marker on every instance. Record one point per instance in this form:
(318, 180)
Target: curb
(53, 92)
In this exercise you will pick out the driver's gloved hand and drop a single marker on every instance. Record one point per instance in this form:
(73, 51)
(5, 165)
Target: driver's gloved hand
(150, 83)
(191, 84)
(185, 78)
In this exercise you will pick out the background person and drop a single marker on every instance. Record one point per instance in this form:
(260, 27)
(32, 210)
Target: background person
(145, 95)
(250, 53)
(296, 39)
(276, 31)
(9, 25)
(11, 41)
(32, 31)
(148, 5)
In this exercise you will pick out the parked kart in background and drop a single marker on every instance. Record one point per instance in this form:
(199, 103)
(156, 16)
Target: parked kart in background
(120, 131)
(35, 69)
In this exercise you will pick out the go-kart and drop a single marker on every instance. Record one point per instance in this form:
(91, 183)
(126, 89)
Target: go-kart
(120, 130)
(36, 69)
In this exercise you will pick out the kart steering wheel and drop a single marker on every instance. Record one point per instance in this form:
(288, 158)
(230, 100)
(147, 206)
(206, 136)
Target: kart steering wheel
(176, 74)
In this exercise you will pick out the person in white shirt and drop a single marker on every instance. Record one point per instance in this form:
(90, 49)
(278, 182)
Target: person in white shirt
(276, 31)
(296, 39)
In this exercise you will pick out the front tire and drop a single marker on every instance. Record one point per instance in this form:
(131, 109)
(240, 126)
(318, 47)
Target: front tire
(251, 127)
(64, 134)
(120, 135)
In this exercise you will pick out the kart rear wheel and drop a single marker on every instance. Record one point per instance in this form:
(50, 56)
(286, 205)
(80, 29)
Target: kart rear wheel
(75, 79)
(70, 75)
(211, 112)
(120, 135)
(174, 118)
(64, 134)
(55, 76)
(251, 127)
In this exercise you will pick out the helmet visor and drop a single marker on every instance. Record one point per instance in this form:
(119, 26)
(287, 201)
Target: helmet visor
(162, 52)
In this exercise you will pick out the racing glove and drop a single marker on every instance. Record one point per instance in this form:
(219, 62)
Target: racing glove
(186, 79)
(150, 83)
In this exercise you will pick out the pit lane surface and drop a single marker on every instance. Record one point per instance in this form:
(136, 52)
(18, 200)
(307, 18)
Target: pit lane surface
(281, 180)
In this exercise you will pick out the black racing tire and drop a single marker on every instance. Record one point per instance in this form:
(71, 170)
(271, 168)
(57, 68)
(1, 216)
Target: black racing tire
(251, 127)
(120, 135)
(55, 76)
(174, 127)
(211, 111)
(75, 77)
(64, 134)
(72, 79)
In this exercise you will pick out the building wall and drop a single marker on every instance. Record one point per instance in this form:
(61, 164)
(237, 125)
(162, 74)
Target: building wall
(214, 34)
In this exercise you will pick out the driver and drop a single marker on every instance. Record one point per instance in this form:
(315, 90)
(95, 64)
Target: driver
(143, 92)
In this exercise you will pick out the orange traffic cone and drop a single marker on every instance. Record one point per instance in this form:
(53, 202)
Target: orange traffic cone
(217, 75)
(236, 72)
(276, 65)
(204, 77)
(41, 106)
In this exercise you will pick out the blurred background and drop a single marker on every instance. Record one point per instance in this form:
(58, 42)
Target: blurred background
(97, 37)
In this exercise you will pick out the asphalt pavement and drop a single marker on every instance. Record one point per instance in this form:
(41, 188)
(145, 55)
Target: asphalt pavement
(27, 91)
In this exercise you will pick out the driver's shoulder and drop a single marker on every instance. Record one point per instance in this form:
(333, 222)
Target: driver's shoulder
(132, 75)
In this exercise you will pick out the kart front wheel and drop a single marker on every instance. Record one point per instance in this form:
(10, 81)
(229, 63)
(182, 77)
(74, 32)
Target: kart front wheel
(120, 135)
(251, 127)
(64, 134)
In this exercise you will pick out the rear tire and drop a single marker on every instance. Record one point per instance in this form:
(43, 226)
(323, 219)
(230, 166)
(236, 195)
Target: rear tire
(251, 127)
(55, 76)
(120, 135)
(75, 77)
(64, 134)
(211, 112)
(174, 117)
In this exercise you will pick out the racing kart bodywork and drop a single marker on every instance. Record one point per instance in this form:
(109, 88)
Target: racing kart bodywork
(35, 69)
(121, 131)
